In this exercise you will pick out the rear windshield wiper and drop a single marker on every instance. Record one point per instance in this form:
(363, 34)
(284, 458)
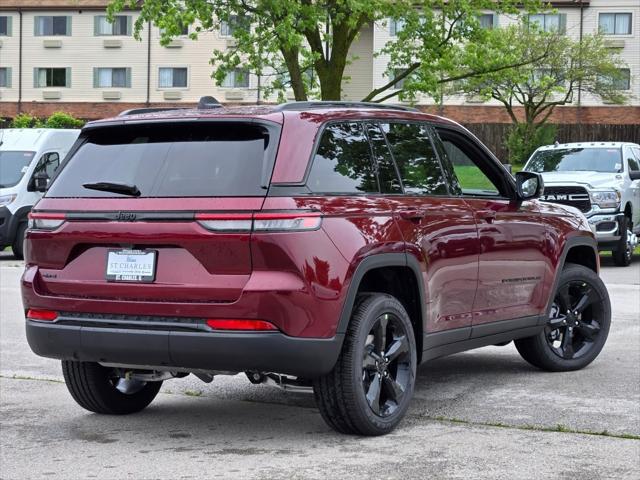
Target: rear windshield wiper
(122, 188)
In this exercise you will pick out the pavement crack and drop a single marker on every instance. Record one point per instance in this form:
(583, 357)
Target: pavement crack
(559, 428)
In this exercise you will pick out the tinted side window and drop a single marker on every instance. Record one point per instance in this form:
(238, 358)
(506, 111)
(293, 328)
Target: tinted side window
(417, 161)
(447, 166)
(342, 163)
(49, 163)
(387, 175)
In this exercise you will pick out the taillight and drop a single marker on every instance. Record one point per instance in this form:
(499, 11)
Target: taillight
(225, 222)
(46, 315)
(255, 325)
(45, 221)
(260, 222)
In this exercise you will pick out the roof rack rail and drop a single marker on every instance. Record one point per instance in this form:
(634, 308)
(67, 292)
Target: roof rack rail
(138, 111)
(340, 104)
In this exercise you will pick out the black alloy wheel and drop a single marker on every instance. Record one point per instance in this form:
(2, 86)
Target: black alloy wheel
(577, 326)
(575, 320)
(386, 366)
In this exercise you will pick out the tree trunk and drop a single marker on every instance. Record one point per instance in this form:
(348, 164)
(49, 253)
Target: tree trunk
(293, 65)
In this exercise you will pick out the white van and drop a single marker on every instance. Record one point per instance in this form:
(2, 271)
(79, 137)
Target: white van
(25, 152)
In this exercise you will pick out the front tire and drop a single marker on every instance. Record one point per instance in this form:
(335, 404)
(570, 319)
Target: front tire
(370, 388)
(577, 327)
(623, 254)
(18, 243)
(98, 389)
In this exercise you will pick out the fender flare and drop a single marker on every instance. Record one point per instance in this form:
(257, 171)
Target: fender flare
(580, 241)
(379, 261)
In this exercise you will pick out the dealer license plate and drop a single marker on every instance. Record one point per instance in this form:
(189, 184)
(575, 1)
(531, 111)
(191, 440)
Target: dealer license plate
(131, 265)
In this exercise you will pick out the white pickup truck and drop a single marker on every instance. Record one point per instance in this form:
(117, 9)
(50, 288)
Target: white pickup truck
(602, 180)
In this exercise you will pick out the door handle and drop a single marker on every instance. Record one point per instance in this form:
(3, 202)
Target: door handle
(488, 215)
(412, 215)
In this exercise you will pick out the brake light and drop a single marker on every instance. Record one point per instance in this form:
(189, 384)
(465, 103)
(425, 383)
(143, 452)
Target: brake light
(260, 222)
(46, 315)
(254, 325)
(45, 221)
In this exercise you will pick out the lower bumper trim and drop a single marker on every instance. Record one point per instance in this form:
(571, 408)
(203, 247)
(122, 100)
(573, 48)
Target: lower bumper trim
(223, 351)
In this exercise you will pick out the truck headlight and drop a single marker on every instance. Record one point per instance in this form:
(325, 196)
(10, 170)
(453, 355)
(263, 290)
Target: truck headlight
(7, 199)
(606, 198)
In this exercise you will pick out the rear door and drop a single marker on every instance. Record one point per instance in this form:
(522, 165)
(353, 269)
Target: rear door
(512, 235)
(438, 227)
(178, 195)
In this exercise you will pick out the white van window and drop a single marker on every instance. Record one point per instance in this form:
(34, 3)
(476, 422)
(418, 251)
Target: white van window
(13, 165)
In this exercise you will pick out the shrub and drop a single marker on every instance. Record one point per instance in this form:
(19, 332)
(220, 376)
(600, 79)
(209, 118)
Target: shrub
(24, 120)
(56, 120)
(524, 139)
(63, 120)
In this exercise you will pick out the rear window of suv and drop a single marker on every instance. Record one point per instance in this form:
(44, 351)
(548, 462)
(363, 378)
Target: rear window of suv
(204, 159)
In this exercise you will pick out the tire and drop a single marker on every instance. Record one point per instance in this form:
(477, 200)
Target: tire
(341, 395)
(580, 337)
(93, 387)
(18, 242)
(623, 254)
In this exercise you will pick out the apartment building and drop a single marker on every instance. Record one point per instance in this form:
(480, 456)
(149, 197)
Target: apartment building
(64, 55)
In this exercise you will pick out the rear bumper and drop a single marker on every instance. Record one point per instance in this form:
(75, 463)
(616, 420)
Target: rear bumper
(222, 351)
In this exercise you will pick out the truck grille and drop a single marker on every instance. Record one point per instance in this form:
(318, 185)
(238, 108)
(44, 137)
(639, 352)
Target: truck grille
(577, 197)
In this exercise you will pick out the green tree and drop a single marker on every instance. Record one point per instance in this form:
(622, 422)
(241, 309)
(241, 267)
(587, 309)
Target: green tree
(305, 44)
(567, 69)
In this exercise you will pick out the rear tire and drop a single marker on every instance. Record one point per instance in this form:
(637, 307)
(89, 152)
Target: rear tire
(571, 341)
(370, 387)
(18, 242)
(95, 388)
(623, 254)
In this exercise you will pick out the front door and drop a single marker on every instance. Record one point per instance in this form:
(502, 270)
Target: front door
(512, 235)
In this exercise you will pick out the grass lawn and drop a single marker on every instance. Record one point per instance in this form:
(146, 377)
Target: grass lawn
(471, 178)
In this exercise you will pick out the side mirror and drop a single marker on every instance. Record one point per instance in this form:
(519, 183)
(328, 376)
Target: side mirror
(40, 182)
(634, 175)
(529, 185)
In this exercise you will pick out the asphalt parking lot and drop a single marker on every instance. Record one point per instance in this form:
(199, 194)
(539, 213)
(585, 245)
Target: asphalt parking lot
(480, 414)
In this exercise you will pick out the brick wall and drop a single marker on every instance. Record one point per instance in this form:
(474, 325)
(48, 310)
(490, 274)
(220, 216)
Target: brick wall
(476, 114)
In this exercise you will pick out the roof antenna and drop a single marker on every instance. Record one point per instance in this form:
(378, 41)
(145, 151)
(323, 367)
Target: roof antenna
(208, 102)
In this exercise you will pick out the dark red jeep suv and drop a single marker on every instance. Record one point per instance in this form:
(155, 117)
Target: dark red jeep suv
(332, 246)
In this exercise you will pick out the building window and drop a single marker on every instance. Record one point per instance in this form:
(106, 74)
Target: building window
(121, 25)
(615, 23)
(550, 22)
(5, 77)
(112, 77)
(52, 26)
(237, 78)
(235, 22)
(184, 31)
(5, 26)
(623, 80)
(170, 77)
(488, 21)
(395, 26)
(52, 77)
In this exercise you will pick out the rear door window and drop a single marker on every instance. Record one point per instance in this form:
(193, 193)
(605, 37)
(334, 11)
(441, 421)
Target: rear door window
(416, 159)
(204, 159)
(343, 163)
